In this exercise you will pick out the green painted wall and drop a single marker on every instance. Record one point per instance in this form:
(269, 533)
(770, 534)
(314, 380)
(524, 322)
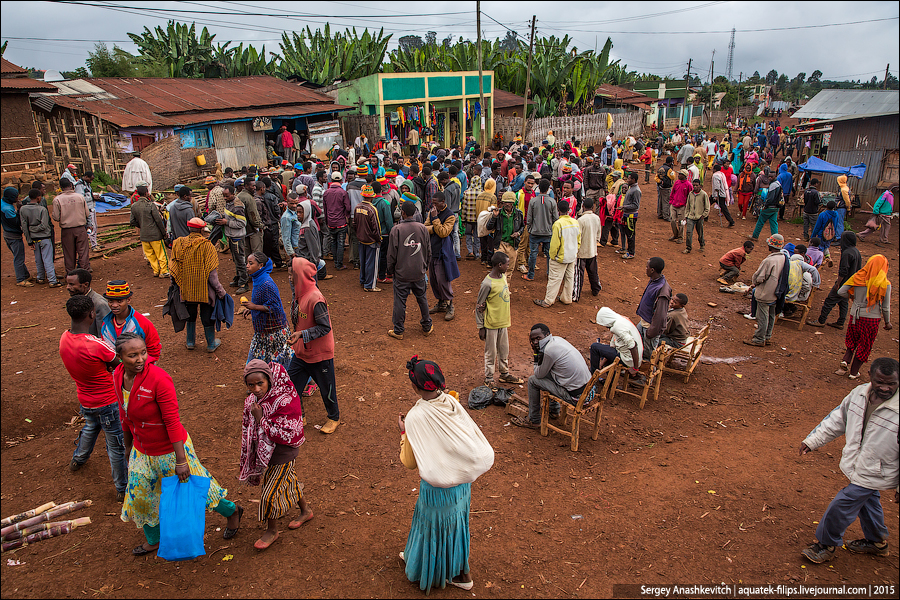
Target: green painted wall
(443, 86)
(365, 89)
(472, 84)
(403, 88)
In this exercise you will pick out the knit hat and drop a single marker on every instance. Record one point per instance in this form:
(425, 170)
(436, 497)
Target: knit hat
(284, 163)
(298, 166)
(336, 176)
(382, 180)
(776, 241)
(508, 197)
(141, 184)
(209, 180)
(362, 170)
(118, 289)
(367, 191)
(71, 167)
(196, 223)
(390, 173)
(567, 169)
(10, 194)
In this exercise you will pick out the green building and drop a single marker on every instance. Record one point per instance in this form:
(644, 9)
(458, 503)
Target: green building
(446, 103)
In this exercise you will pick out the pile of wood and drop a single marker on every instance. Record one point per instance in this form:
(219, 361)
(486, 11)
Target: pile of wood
(38, 524)
(114, 232)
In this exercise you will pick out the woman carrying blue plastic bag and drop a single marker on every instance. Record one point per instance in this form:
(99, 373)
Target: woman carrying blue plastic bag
(158, 445)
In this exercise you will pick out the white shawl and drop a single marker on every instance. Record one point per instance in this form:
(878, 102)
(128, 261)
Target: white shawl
(449, 447)
(625, 335)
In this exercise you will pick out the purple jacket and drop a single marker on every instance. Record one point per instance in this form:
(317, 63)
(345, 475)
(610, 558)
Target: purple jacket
(337, 206)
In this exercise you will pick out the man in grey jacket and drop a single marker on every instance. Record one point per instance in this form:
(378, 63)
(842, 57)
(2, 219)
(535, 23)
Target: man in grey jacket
(868, 420)
(36, 227)
(180, 212)
(542, 214)
(765, 291)
(408, 258)
(559, 368)
(452, 194)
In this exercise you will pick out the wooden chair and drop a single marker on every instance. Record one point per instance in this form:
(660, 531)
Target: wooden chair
(803, 308)
(580, 411)
(651, 369)
(682, 361)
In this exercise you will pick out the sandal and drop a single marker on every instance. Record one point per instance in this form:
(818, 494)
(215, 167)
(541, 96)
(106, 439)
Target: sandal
(230, 533)
(463, 586)
(542, 304)
(852, 376)
(298, 523)
(141, 551)
(527, 278)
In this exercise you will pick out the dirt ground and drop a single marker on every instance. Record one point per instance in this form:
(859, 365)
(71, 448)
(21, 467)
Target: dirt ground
(703, 486)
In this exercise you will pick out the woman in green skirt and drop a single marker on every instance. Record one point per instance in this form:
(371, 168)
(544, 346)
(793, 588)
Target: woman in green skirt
(441, 440)
(156, 443)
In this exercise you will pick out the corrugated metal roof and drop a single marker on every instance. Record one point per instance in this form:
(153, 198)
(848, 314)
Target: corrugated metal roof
(623, 95)
(24, 84)
(174, 102)
(7, 67)
(832, 104)
(504, 99)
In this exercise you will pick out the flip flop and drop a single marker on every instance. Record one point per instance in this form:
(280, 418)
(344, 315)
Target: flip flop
(261, 545)
(230, 533)
(141, 551)
(527, 278)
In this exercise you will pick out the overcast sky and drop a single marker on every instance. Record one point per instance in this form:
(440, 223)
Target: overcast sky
(655, 37)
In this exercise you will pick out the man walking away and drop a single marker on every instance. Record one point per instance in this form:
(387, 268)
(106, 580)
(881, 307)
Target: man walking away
(851, 262)
(630, 206)
(867, 418)
(564, 245)
(368, 232)
(542, 214)
(720, 193)
(408, 259)
(71, 212)
(589, 226)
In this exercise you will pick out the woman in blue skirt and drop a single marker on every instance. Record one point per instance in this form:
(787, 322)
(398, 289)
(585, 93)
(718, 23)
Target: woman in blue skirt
(441, 440)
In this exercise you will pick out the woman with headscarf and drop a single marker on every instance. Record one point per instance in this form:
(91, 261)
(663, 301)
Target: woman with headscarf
(469, 216)
(271, 336)
(844, 204)
(617, 168)
(745, 187)
(440, 439)
(271, 435)
(882, 213)
(483, 202)
(870, 291)
(309, 245)
(156, 443)
(737, 158)
(752, 157)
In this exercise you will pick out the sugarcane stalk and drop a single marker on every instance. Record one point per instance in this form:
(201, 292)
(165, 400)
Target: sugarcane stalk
(54, 531)
(15, 535)
(46, 516)
(27, 514)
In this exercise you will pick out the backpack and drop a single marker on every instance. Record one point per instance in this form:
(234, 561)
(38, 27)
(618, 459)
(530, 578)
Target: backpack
(546, 170)
(828, 232)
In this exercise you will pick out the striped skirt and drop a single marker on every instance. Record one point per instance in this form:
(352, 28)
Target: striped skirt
(438, 545)
(281, 491)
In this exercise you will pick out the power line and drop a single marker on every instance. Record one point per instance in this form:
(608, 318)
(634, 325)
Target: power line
(641, 17)
(766, 30)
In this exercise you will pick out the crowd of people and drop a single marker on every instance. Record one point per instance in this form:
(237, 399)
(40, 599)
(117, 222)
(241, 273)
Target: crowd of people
(410, 221)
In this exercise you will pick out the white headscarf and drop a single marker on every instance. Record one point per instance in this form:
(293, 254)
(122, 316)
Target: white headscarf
(308, 221)
(625, 335)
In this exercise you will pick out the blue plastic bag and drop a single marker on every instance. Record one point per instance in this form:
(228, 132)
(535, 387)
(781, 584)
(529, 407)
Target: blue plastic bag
(182, 517)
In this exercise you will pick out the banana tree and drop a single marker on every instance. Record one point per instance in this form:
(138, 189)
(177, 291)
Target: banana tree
(323, 57)
(180, 49)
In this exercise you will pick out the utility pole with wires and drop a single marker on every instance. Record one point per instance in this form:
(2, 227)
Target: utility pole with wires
(484, 142)
(712, 63)
(887, 71)
(528, 79)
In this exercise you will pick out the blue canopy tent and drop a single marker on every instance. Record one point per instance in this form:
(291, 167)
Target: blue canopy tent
(817, 165)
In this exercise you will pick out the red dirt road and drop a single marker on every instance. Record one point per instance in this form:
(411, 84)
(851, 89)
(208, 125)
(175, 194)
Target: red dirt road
(703, 486)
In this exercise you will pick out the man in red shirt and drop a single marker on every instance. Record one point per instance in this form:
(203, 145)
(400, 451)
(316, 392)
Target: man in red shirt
(88, 360)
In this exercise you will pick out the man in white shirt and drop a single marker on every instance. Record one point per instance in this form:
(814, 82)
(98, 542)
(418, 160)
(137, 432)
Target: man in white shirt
(136, 170)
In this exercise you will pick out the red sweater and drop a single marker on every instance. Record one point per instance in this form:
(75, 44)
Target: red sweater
(152, 413)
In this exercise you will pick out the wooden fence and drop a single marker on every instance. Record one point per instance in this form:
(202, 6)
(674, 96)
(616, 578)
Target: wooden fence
(589, 129)
(353, 125)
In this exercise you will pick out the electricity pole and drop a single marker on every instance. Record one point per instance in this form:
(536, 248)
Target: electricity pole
(481, 75)
(687, 89)
(887, 71)
(528, 79)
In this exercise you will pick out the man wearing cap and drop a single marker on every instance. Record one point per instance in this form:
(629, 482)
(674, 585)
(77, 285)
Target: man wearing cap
(71, 173)
(336, 202)
(123, 318)
(766, 282)
(146, 217)
(368, 232)
(71, 212)
(509, 223)
(136, 170)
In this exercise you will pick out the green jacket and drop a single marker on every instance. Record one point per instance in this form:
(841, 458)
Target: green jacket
(146, 216)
